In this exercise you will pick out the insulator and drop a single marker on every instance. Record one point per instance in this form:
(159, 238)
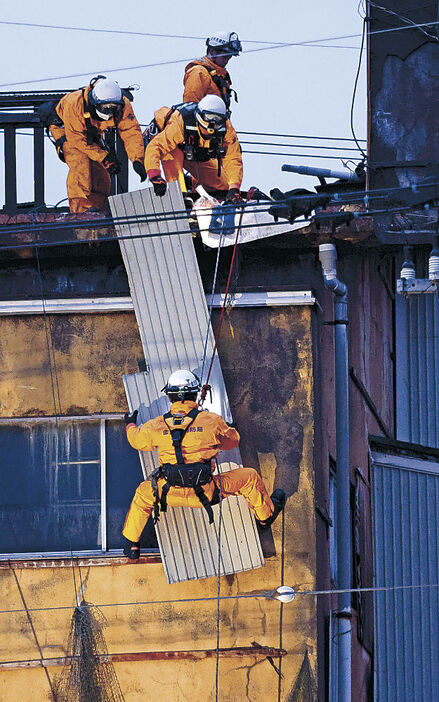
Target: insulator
(285, 593)
(408, 270)
(433, 265)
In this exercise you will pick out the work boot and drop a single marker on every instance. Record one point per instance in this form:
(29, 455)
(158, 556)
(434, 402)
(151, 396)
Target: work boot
(131, 549)
(278, 499)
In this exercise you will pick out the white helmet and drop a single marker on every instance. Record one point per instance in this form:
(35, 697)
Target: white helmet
(181, 383)
(211, 113)
(105, 96)
(228, 42)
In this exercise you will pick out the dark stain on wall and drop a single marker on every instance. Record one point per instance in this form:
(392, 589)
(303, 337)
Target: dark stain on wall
(304, 689)
(258, 350)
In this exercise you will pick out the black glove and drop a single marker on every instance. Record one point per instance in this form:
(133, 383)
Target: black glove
(233, 197)
(140, 170)
(111, 164)
(159, 185)
(131, 418)
(254, 193)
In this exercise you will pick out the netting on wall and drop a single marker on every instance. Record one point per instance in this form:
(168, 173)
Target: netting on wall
(87, 676)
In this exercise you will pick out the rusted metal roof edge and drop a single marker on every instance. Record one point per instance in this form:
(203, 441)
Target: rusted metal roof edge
(196, 655)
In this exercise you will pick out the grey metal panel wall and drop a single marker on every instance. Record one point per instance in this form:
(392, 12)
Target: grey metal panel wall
(417, 369)
(406, 538)
(172, 316)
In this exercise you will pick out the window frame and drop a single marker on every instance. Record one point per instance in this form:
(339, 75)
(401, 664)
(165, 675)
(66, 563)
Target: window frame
(103, 551)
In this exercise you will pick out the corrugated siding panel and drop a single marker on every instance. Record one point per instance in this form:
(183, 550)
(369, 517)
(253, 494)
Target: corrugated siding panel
(417, 369)
(172, 316)
(406, 536)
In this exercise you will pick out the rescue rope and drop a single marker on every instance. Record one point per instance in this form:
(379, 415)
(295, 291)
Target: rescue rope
(206, 387)
(209, 319)
(282, 582)
(218, 606)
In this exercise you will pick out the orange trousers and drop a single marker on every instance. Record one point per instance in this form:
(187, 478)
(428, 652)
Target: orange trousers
(240, 481)
(88, 182)
(205, 173)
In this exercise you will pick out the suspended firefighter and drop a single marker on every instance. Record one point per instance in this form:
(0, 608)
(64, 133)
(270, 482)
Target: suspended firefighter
(198, 138)
(208, 75)
(82, 125)
(187, 440)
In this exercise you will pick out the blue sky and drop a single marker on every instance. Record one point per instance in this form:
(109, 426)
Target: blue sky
(289, 90)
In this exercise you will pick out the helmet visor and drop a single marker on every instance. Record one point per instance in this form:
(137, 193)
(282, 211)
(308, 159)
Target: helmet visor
(108, 108)
(213, 119)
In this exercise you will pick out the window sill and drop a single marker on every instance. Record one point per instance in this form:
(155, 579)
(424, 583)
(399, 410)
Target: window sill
(112, 558)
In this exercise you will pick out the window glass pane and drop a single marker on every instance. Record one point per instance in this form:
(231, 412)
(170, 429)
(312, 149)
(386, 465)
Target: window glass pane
(50, 499)
(124, 474)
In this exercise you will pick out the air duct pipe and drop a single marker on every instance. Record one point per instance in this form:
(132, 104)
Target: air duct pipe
(328, 259)
(321, 173)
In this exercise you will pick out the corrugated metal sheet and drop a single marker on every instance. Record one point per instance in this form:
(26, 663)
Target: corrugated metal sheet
(172, 316)
(406, 537)
(417, 369)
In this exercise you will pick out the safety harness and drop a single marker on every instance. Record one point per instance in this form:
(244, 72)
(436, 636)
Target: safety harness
(181, 474)
(191, 147)
(93, 135)
(223, 83)
(49, 117)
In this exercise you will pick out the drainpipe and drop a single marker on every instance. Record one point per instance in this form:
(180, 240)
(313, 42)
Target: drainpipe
(328, 259)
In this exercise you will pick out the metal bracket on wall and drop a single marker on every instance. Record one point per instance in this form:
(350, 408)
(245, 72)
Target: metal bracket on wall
(416, 286)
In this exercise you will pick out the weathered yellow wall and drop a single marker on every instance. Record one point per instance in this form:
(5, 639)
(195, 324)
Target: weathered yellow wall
(267, 362)
(89, 353)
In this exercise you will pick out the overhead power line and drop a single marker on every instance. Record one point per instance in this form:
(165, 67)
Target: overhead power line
(309, 42)
(297, 136)
(346, 198)
(256, 134)
(354, 92)
(282, 153)
(270, 595)
(328, 217)
(298, 146)
(158, 35)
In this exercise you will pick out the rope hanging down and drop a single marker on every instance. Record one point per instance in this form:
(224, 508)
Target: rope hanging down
(206, 387)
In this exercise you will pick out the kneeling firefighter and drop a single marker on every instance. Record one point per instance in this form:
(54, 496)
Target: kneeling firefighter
(81, 125)
(187, 440)
(199, 138)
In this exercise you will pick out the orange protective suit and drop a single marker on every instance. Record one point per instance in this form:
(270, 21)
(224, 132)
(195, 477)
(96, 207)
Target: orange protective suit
(207, 434)
(164, 149)
(199, 80)
(88, 182)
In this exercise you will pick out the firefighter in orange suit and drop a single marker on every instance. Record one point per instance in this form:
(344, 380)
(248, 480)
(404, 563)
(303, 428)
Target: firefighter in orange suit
(208, 75)
(84, 118)
(200, 139)
(187, 440)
